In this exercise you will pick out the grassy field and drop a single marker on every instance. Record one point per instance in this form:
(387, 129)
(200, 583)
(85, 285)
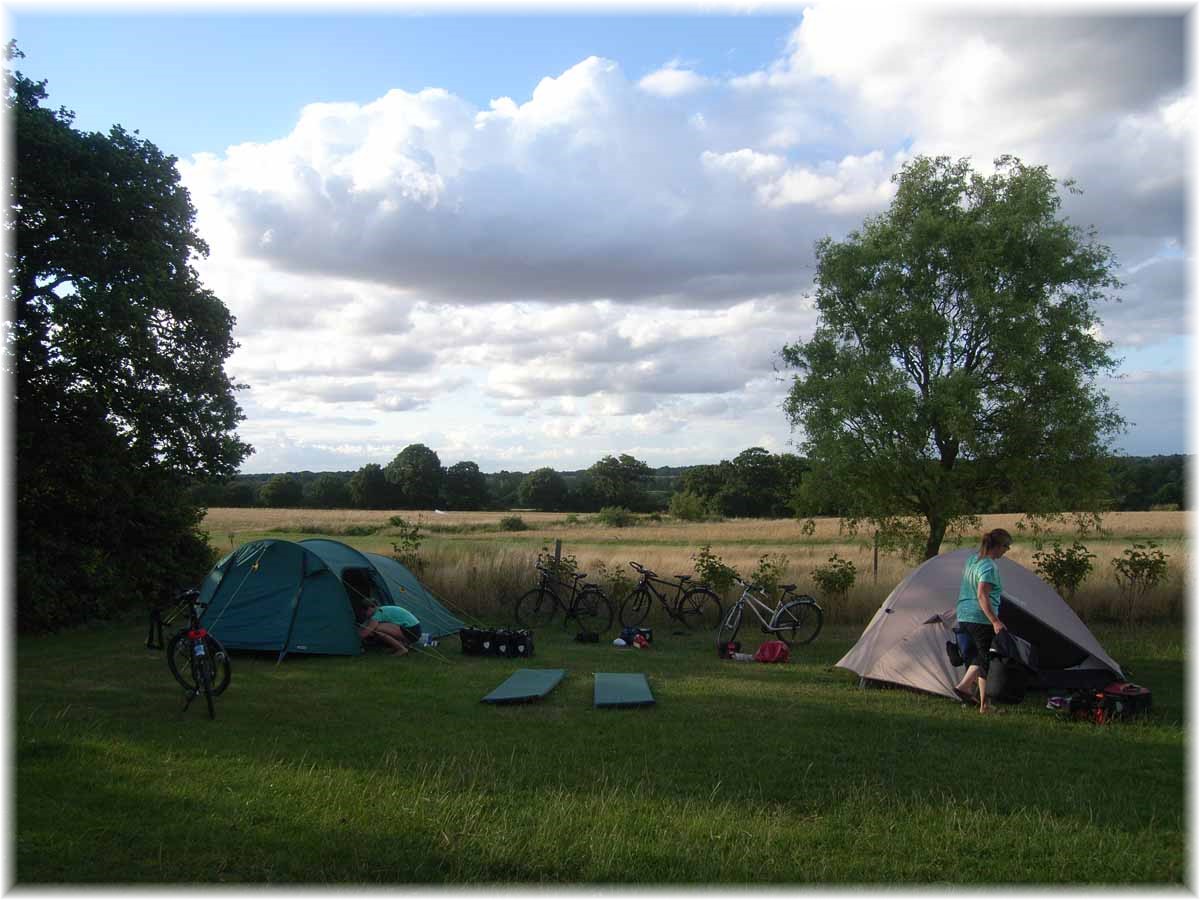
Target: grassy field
(478, 568)
(376, 769)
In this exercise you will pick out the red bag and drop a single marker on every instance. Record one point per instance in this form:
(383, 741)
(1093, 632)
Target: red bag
(772, 651)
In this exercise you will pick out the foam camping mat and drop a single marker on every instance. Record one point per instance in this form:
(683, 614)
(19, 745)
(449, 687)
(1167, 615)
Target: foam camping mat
(622, 689)
(526, 684)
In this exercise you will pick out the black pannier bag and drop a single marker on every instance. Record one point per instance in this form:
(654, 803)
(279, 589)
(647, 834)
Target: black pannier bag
(517, 643)
(478, 641)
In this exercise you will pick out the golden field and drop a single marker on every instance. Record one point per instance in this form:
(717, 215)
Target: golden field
(478, 569)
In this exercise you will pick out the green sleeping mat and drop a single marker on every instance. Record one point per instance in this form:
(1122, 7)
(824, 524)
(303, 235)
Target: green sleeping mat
(622, 689)
(524, 685)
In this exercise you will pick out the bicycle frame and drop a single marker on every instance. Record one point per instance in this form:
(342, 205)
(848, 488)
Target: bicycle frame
(648, 581)
(548, 579)
(755, 599)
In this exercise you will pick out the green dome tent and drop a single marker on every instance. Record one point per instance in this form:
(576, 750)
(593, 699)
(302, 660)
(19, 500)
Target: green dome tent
(307, 597)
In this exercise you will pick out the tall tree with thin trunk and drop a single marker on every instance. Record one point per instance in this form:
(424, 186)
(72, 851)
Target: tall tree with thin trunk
(955, 360)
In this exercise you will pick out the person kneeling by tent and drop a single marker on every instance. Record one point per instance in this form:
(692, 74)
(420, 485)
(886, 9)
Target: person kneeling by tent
(394, 625)
(978, 611)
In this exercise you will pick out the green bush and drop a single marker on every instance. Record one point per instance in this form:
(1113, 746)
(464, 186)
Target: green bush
(711, 570)
(1064, 567)
(407, 549)
(836, 577)
(564, 567)
(688, 506)
(616, 517)
(513, 523)
(770, 570)
(1141, 569)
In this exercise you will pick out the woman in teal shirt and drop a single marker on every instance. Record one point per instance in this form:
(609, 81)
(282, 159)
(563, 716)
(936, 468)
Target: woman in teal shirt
(978, 611)
(394, 625)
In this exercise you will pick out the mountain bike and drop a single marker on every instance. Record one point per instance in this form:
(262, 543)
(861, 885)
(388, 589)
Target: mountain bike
(794, 621)
(196, 658)
(693, 606)
(587, 605)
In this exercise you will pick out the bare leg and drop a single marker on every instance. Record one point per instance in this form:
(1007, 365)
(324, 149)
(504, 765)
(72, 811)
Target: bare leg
(393, 635)
(967, 684)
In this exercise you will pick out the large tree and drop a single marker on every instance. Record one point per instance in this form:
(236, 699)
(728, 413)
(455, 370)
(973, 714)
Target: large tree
(417, 475)
(464, 487)
(620, 481)
(543, 489)
(117, 352)
(955, 359)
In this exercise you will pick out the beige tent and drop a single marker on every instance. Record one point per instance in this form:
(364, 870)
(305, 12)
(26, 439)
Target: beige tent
(905, 641)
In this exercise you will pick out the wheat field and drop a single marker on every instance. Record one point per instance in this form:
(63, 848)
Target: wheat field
(478, 568)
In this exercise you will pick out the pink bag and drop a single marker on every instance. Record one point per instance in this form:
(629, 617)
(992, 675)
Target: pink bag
(772, 651)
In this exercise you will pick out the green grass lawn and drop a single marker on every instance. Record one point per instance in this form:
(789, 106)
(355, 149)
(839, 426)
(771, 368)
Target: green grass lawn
(379, 769)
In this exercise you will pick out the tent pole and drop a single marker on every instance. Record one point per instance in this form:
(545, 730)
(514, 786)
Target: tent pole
(295, 608)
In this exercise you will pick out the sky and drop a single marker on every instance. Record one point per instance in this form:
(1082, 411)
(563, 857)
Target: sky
(533, 237)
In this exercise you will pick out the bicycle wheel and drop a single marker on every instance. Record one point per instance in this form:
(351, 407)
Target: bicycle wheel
(699, 608)
(536, 608)
(635, 608)
(729, 626)
(798, 622)
(179, 661)
(593, 611)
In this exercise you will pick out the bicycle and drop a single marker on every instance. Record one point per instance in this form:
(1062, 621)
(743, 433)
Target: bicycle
(587, 605)
(196, 658)
(795, 621)
(691, 604)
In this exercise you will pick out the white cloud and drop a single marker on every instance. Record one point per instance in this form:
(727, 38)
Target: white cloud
(672, 81)
(622, 260)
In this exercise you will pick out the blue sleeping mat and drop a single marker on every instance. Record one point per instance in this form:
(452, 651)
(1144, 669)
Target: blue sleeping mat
(526, 684)
(622, 689)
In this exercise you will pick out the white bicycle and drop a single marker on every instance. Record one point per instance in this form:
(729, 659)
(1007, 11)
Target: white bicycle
(794, 618)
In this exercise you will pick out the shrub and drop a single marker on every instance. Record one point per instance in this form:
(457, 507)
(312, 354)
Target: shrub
(615, 581)
(513, 523)
(770, 571)
(1141, 568)
(407, 549)
(1064, 567)
(711, 570)
(688, 506)
(836, 577)
(616, 517)
(357, 530)
(561, 568)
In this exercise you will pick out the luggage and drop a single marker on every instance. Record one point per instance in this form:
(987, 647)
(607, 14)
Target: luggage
(1124, 700)
(772, 651)
(1117, 701)
(1007, 680)
(512, 643)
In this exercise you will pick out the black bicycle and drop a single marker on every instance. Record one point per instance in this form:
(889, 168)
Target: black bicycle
(587, 605)
(693, 606)
(195, 657)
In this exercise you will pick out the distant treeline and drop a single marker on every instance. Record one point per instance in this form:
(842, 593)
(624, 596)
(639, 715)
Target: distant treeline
(755, 483)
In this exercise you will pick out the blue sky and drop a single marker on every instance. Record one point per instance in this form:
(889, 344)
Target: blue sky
(531, 240)
(200, 82)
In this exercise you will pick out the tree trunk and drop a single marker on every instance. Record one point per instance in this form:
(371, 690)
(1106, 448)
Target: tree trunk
(937, 531)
